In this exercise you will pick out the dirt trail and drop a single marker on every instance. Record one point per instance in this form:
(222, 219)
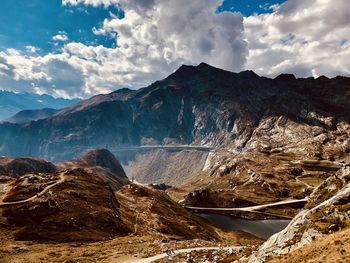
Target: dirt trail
(181, 251)
(44, 191)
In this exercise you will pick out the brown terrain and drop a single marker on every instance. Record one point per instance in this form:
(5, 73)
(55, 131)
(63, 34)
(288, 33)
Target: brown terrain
(60, 215)
(271, 141)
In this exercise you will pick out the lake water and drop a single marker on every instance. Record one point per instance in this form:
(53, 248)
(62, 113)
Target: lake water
(260, 228)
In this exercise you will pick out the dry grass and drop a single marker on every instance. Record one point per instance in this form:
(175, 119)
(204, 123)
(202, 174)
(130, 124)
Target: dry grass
(333, 248)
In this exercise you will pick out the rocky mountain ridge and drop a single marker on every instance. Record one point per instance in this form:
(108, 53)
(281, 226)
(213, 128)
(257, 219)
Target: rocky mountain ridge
(195, 105)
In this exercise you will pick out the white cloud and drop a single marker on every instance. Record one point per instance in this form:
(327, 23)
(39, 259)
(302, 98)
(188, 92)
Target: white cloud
(173, 32)
(62, 36)
(157, 36)
(154, 39)
(301, 37)
(90, 2)
(32, 49)
(30, 73)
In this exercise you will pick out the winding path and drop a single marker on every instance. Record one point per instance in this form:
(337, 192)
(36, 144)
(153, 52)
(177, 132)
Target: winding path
(249, 208)
(44, 191)
(181, 251)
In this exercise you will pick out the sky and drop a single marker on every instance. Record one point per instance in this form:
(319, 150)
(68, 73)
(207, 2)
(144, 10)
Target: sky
(80, 48)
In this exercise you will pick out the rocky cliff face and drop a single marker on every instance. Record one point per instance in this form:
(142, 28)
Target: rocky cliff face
(326, 212)
(170, 168)
(194, 105)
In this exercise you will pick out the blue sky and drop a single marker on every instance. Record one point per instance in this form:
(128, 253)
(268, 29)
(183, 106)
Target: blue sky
(69, 48)
(249, 7)
(35, 22)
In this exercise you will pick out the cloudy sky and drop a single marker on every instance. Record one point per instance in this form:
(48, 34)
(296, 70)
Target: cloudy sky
(79, 48)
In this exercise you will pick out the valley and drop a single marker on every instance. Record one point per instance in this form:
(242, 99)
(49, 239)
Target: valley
(205, 165)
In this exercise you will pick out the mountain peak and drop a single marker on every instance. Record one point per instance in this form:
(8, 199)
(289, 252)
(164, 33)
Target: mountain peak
(105, 159)
(285, 77)
(184, 67)
(205, 65)
(248, 73)
(184, 71)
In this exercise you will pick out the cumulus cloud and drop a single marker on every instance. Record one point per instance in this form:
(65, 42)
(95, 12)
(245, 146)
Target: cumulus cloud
(157, 36)
(62, 36)
(32, 49)
(307, 38)
(154, 38)
(53, 74)
(168, 33)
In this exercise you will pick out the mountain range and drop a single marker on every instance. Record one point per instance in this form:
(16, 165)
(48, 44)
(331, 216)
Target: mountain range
(198, 105)
(201, 143)
(11, 102)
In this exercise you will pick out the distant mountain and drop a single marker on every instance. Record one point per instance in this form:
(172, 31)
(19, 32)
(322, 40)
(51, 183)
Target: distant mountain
(31, 115)
(194, 105)
(11, 103)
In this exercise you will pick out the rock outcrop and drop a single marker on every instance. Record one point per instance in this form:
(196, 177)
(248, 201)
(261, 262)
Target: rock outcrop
(326, 212)
(105, 159)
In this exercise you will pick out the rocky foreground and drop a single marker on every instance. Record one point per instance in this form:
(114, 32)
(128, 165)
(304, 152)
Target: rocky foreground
(327, 212)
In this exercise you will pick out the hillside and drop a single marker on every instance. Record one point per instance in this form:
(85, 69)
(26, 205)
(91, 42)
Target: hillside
(90, 199)
(62, 203)
(31, 115)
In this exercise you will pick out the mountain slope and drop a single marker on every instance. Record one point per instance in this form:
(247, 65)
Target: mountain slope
(11, 103)
(88, 199)
(31, 115)
(194, 105)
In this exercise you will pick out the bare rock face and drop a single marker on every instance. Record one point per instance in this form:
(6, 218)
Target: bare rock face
(171, 168)
(326, 212)
(196, 105)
